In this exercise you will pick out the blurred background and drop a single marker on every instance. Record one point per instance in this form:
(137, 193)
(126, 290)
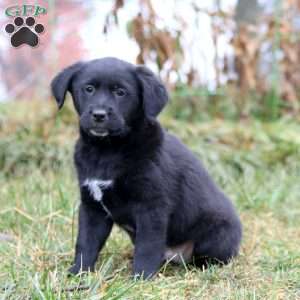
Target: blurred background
(232, 70)
(231, 58)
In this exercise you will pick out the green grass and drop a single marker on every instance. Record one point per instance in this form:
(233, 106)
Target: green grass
(256, 163)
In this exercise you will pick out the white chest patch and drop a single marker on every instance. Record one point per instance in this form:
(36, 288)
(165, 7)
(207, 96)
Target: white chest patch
(96, 188)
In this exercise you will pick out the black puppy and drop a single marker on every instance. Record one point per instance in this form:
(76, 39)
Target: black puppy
(133, 173)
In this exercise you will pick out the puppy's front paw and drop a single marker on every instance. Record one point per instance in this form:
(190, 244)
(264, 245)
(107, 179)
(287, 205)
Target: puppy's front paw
(74, 270)
(142, 275)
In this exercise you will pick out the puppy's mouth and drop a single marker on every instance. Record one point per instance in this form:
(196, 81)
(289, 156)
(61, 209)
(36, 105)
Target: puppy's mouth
(99, 133)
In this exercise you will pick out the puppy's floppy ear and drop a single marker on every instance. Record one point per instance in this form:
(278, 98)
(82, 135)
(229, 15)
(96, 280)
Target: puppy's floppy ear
(155, 95)
(62, 82)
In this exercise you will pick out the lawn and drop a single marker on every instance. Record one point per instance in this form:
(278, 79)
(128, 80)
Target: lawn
(257, 164)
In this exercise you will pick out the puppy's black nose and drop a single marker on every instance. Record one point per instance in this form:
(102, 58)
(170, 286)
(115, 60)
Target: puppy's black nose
(99, 115)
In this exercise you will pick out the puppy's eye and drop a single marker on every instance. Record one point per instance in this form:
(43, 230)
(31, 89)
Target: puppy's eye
(90, 89)
(118, 91)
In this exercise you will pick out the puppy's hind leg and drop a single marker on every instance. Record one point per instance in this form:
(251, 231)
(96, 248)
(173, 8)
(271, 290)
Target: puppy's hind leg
(218, 246)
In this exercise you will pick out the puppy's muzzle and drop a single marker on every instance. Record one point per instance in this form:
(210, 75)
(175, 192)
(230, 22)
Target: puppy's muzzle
(99, 115)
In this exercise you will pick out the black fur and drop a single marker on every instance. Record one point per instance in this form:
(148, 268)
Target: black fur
(161, 194)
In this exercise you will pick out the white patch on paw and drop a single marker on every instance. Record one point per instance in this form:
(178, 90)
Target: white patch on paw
(96, 188)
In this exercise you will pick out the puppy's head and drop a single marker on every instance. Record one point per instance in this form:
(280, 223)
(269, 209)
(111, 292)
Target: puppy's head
(110, 95)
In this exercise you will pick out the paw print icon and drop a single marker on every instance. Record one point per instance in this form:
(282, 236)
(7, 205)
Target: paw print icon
(24, 32)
